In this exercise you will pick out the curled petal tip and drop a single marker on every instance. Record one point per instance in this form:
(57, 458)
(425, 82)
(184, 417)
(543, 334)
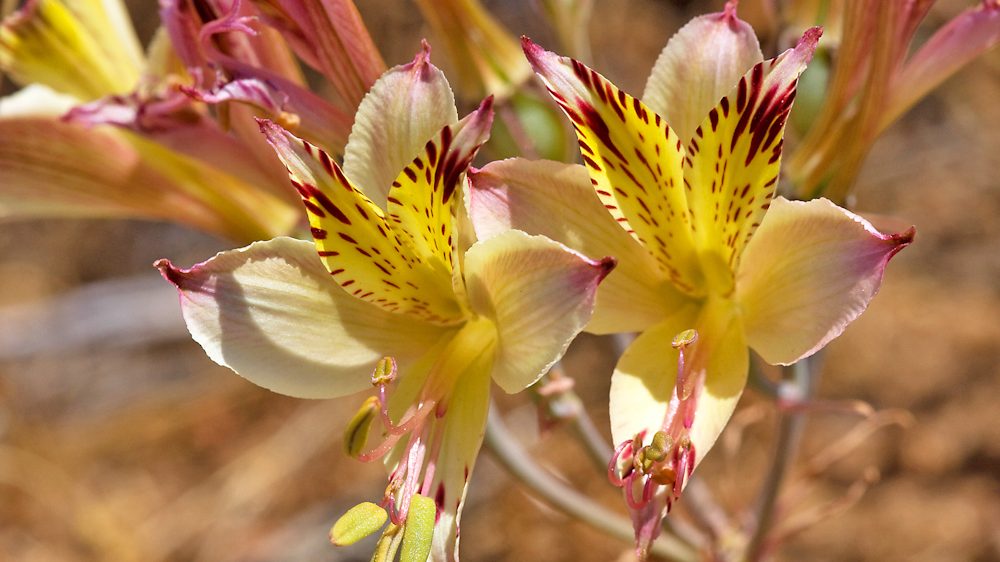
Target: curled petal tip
(809, 40)
(729, 11)
(172, 274)
(482, 117)
(266, 126)
(607, 265)
(901, 240)
(531, 49)
(424, 56)
(421, 63)
(907, 236)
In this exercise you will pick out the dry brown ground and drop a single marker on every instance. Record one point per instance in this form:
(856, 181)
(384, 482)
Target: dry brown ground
(134, 450)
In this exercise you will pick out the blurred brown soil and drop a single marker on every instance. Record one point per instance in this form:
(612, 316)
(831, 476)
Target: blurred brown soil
(116, 451)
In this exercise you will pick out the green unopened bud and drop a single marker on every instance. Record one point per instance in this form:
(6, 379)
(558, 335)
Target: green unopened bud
(418, 531)
(384, 372)
(356, 434)
(359, 522)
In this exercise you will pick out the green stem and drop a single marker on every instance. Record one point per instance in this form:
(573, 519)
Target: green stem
(801, 379)
(558, 495)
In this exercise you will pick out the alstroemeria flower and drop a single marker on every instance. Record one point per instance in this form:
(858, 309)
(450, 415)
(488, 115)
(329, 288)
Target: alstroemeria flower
(711, 265)
(396, 276)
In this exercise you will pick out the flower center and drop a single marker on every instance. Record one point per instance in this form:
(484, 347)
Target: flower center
(718, 275)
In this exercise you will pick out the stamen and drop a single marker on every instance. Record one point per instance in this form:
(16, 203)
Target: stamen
(669, 458)
(681, 342)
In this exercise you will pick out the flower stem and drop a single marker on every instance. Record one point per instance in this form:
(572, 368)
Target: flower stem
(567, 406)
(798, 386)
(557, 494)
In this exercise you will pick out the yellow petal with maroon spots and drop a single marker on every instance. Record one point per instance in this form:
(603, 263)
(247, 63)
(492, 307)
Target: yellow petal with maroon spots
(634, 159)
(363, 254)
(420, 202)
(732, 162)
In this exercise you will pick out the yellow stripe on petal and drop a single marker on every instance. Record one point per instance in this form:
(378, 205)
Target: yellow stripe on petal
(732, 162)
(363, 254)
(420, 202)
(634, 159)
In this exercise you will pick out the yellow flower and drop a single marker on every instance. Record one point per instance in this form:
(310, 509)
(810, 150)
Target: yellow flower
(398, 275)
(711, 264)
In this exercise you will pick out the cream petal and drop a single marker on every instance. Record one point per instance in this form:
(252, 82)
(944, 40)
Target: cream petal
(556, 200)
(464, 425)
(407, 105)
(539, 295)
(699, 66)
(810, 270)
(270, 312)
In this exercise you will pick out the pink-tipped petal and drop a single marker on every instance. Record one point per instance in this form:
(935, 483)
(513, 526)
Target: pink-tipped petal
(408, 105)
(270, 312)
(810, 271)
(420, 201)
(699, 66)
(52, 168)
(538, 293)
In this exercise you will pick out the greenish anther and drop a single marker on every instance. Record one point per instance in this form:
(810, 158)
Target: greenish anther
(356, 433)
(418, 531)
(684, 339)
(659, 447)
(385, 371)
(359, 522)
(388, 544)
